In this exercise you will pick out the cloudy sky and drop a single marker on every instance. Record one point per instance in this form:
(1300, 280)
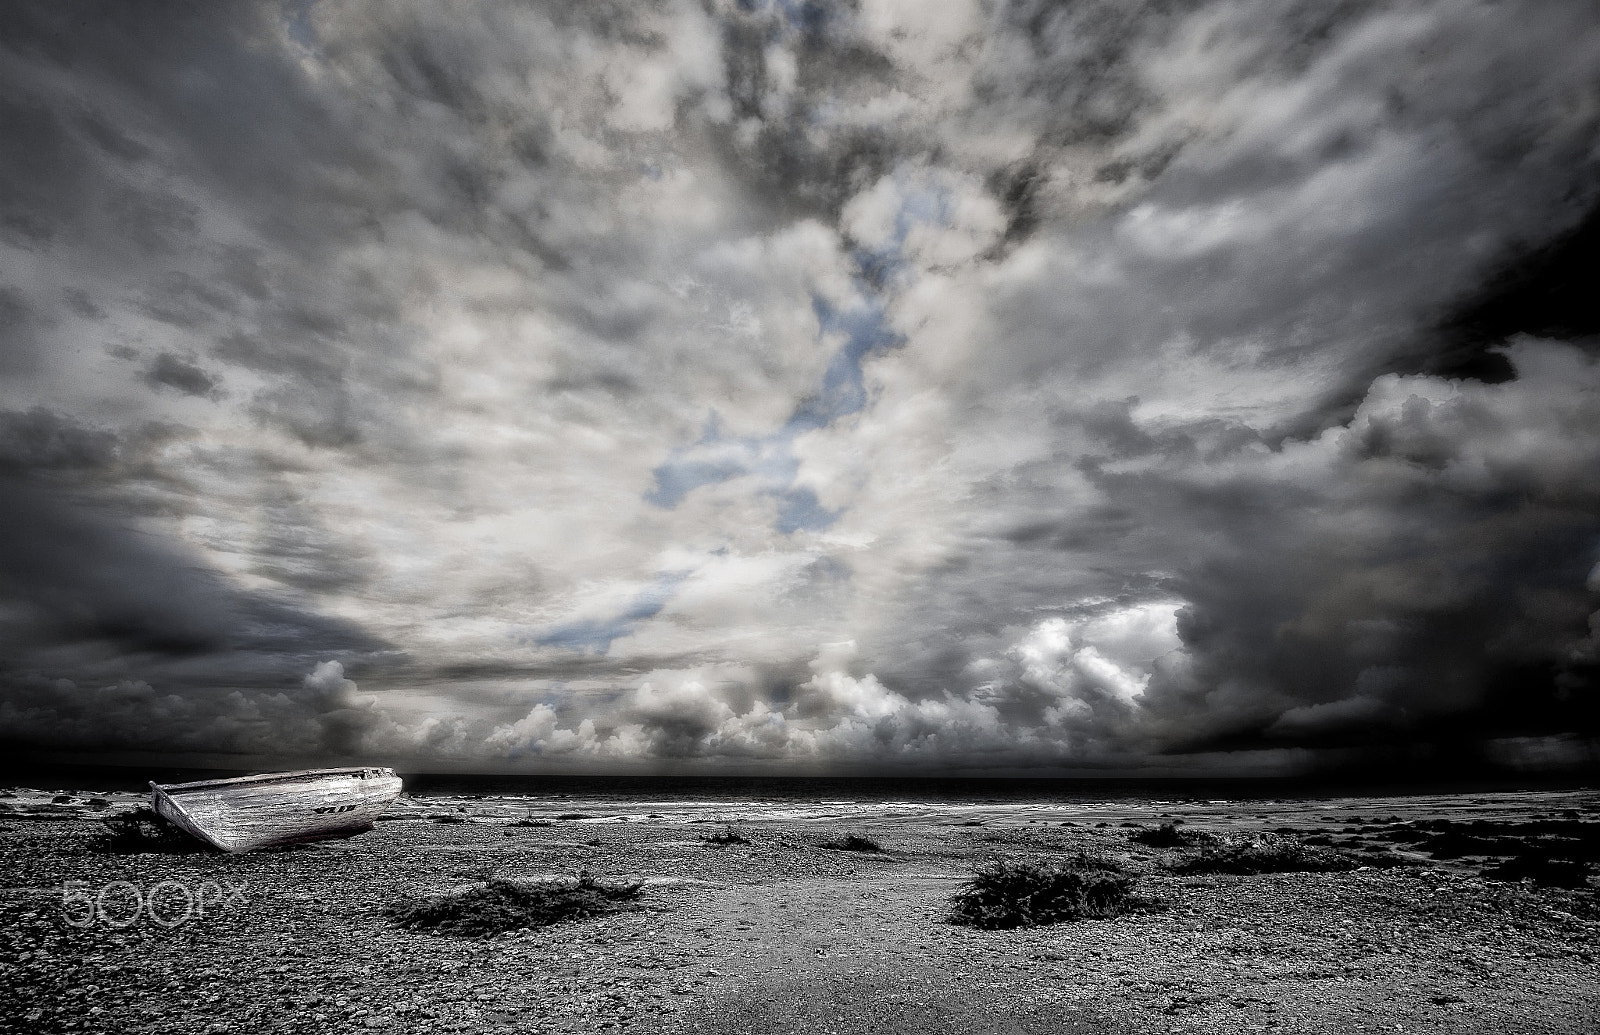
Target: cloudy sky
(800, 386)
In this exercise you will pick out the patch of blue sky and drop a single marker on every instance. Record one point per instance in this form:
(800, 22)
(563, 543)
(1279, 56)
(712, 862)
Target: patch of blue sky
(799, 510)
(298, 24)
(718, 457)
(595, 635)
(807, 16)
(884, 266)
(843, 390)
(769, 460)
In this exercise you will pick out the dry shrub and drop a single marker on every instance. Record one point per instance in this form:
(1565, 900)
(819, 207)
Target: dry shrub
(1006, 894)
(1262, 853)
(145, 830)
(498, 904)
(852, 843)
(1553, 873)
(1169, 835)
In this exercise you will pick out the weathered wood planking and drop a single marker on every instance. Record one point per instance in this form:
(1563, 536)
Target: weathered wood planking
(278, 808)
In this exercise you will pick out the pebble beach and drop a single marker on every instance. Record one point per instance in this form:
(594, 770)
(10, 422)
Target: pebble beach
(781, 934)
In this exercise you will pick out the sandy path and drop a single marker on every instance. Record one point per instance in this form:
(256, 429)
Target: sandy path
(1289, 952)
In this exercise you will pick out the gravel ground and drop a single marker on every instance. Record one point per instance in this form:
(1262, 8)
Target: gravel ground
(781, 935)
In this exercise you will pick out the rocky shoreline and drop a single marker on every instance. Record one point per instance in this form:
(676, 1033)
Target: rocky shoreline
(781, 934)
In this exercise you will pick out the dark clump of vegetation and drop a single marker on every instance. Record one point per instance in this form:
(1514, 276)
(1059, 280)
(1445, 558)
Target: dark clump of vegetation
(1554, 873)
(574, 815)
(1020, 894)
(449, 819)
(1262, 853)
(1550, 852)
(1383, 858)
(1168, 835)
(145, 830)
(726, 836)
(498, 904)
(530, 823)
(1549, 839)
(852, 843)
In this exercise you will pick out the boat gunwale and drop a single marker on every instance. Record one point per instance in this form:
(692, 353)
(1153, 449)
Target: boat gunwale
(294, 776)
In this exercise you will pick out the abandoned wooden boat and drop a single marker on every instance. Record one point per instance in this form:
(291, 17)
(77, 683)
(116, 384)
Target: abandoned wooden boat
(248, 812)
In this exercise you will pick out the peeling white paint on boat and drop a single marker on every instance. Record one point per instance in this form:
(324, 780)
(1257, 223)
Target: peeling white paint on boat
(247, 812)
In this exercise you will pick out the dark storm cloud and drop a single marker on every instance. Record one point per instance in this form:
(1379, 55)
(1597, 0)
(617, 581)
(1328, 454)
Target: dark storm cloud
(115, 636)
(40, 440)
(1546, 291)
(19, 339)
(1407, 596)
(76, 577)
(320, 718)
(170, 371)
(1412, 577)
(779, 141)
(1079, 84)
(175, 82)
(101, 600)
(296, 549)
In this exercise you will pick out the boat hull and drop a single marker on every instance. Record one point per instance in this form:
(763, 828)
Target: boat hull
(251, 812)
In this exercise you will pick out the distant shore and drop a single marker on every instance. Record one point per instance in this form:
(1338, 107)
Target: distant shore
(1359, 781)
(779, 933)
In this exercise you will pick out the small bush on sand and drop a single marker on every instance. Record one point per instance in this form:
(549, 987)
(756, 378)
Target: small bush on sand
(1019, 894)
(1554, 873)
(852, 843)
(530, 823)
(1262, 853)
(145, 830)
(1169, 835)
(726, 836)
(498, 904)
